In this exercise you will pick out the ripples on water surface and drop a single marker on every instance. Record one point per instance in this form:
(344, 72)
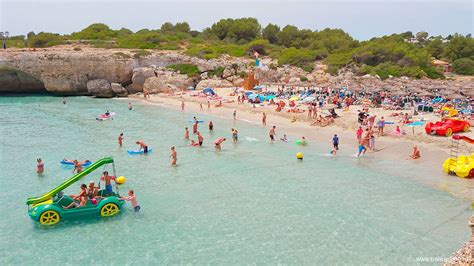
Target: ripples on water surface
(253, 202)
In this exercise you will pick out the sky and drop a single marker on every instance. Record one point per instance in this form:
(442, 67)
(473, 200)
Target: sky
(362, 19)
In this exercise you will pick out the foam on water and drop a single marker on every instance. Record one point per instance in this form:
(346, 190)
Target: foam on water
(249, 203)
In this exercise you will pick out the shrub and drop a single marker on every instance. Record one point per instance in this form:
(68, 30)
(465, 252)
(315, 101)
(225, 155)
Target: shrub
(120, 55)
(45, 39)
(297, 57)
(141, 53)
(77, 49)
(303, 78)
(218, 72)
(187, 69)
(463, 66)
(96, 31)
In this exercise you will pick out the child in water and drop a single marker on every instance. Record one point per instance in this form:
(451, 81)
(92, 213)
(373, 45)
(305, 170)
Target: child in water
(120, 139)
(39, 166)
(284, 138)
(186, 134)
(133, 199)
(174, 156)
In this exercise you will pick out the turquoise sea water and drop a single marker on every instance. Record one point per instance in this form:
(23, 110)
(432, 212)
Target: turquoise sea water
(251, 203)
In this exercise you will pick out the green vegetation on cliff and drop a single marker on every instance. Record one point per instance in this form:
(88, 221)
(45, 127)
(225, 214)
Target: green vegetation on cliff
(402, 54)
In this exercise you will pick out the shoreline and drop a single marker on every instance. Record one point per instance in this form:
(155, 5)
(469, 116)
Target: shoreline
(427, 170)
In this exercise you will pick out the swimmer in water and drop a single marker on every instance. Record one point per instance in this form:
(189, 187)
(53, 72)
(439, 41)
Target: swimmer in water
(143, 146)
(195, 127)
(200, 138)
(194, 143)
(108, 185)
(120, 139)
(64, 100)
(362, 149)
(186, 134)
(77, 167)
(130, 106)
(284, 138)
(133, 199)
(272, 134)
(303, 141)
(174, 156)
(39, 166)
(235, 136)
(107, 113)
(218, 142)
(211, 126)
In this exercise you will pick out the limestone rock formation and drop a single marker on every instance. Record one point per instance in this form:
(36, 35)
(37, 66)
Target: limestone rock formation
(119, 90)
(100, 88)
(213, 83)
(139, 76)
(13, 80)
(166, 81)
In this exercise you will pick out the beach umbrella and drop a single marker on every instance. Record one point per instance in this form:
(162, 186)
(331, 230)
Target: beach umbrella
(295, 98)
(252, 96)
(208, 91)
(269, 97)
(260, 87)
(191, 88)
(248, 93)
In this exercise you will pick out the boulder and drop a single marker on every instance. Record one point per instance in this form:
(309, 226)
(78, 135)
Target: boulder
(119, 90)
(213, 83)
(139, 76)
(228, 72)
(100, 88)
(167, 82)
(238, 82)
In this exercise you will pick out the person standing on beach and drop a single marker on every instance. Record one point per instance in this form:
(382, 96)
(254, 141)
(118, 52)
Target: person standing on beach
(120, 139)
(39, 166)
(335, 142)
(235, 114)
(208, 106)
(174, 156)
(200, 138)
(182, 105)
(272, 134)
(200, 106)
(359, 133)
(211, 126)
(372, 142)
(264, 119)
(380, 125)
(310, 111)
(186, 134)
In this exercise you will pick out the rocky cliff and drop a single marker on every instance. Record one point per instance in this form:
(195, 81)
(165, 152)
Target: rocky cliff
(90, 71)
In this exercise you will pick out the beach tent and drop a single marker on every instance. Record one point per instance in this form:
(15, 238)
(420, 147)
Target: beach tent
(208, 91)
(248, 93)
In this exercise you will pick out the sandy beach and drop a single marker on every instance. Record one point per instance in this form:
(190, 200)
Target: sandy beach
(388, 149)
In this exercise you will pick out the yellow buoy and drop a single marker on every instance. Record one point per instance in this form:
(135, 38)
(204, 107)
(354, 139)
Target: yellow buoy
(299, 156)
(121, 179)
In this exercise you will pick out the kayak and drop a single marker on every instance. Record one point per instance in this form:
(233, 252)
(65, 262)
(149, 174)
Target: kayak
(72, 163)
(138, 151)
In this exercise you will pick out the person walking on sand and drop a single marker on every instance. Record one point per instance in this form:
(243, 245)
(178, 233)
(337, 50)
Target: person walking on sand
(200, 106)
(235, 114)
(174, 156)
(182, 105)
(264, 119)
(39, 166)
(200, 138)
(186, 134)
(272, 134)
(120, 139)
(218, 142)
(208, 106)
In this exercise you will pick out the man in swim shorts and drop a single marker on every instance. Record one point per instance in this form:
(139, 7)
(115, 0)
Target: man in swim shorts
(272, 134)
(108, 185)
(174, 156)
(143, 146)
(362, 149)
(235, 136)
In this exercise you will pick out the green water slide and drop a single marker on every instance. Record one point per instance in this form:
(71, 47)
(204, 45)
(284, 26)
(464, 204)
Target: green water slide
(70, 181)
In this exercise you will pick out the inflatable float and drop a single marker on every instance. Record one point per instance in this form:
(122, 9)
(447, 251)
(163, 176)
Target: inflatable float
(103, 117)
(72, 163)
(462, 166)
(138, 151)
